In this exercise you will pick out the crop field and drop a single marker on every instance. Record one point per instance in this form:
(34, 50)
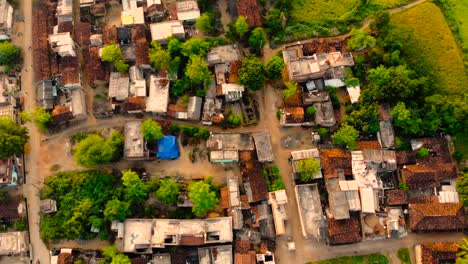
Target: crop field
(390, 3)
(304, 11)
(433, 43)
(366, 259)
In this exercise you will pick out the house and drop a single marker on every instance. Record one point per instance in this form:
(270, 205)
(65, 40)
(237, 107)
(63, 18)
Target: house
(215, 255)
(142, 235)
(134, 145)
(187, 11)
(224, 147)
(118, 86)
(46, 93)
(11, 210)
(64, 257)
(339, 207)
(354, 93)
(335, 162)
(263, 219)
(109, 34)
(160, 32)
(425, 176)
(263, 146)
(251, 10)
(135, 105)
(351, 190)
(14, 243)
(6, 19)
(133, 16)
(299, 155)
(252, 177)
(437, 252)
(9, 172)
(158, 98)
(231, 91)
(7, 111)
(194, 108)
(124, 35)
(69, 73)
(223, 54)
(278, 200)
(324, 114)
(98, 10)
(129, 4)
(224, 156)
(64, 10)
(212, 111)
(345, 231)
(386, 134)
(310, 211)
(396, 197)
(62, 114)
(434, 216)
(155, 10)
(83, 34)
(293, 116)
(245, 258)
(141, 47)
(48, 206)
(168, 148)
(128, 53)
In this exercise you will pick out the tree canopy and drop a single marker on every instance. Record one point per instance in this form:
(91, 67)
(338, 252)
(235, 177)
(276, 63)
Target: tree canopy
(13, 137)
(168, 191)
(159, 58)
(41, 118)
(174, 46)
(290, 91)
(241, 25)
(197, 71)
(135, 189)
(113, 256)
(406, 120)
(257, 39)
(346, 136)
(274, 21)
(116, 210)
(95, 149)
(360, 39)
(151, 130)
(274, 67)
(195, 47)
(205, 23)
(307, 169)
(202, 197)
(9, 53)
(252, 73)
(462, 255)
(112, 53)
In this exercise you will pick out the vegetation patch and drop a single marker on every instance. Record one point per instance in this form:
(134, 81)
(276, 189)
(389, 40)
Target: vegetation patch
(273, 178)
(304, 11)
(391, 3)
(365, 259)
(404, 256)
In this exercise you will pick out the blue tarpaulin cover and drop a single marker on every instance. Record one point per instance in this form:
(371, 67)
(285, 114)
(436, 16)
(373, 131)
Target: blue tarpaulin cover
(167, 148)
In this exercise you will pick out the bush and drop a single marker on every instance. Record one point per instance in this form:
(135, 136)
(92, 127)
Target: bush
(95, 150)
(322, 132)
(307, 169)
(333, 96)
(203, 197)
(403, 186)
(310, 110)
(151, 130)
(404, 256)
(346, 136)
(422, 153)
(278, 114)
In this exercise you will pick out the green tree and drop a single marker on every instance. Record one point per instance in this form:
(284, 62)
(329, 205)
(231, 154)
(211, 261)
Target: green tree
(308, 168)
(151, 130)
(360, 39)
(168, 191)
(9, 54)
(422, 153)
(135, 189)
(116, 210)
(380, 21)
(231, 33)
(41, 118)
(274, 21)
(195, 47)
(346, 136)
(290, 91)
(252, 73)
(462, 188)
(274, 67)
(12, 138)
(174, 46)
(257, 39)
(121, 66)
(462, 255)
(111, 53)
(113, 256)
(241, 25)
(205, 23)
(159, 58)
(310, 110)
(202, 197)
(322, 132)
(197, 71)
(406, 120)
(180, 86)
(95, 150)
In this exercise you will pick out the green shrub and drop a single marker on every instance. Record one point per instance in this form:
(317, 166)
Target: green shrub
(404, 256)
(310, 110)
(422, 153)
(403, 186)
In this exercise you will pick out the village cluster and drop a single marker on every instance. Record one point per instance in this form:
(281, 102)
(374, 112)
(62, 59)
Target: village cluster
(375, 192)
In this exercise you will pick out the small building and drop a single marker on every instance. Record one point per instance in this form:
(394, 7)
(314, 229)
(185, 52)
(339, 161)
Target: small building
(293, 116)
(266, 258)
(436, 252)
(194, 108)
(135, 105)
(118, 86)
(48, 206)
(368, 201)
(425, 176)
(354, 93)
(124, 35)
(70, 75)
(155, 11)
(78, 104)
(7, 111)
(64, 10)
(434, 216)
(134, 145)
(386, 135)
(9, 173)
(263, 146)
(62, 43)
(324, 114)
(160, 32)
(98, 10)
(11, 210)
(14, 243)
(245, 258)
(298, 155)
(396, 197)
(223, 54)
(278, 200)
(6, 19)
(187, 11)
(46, 93)
(215, 255)
(345, 231)
(134, 16)
(335, 162)
(168, 148)
(158, 98)
(310, 211)
(339, 207)
(231, 91)
(212, 111)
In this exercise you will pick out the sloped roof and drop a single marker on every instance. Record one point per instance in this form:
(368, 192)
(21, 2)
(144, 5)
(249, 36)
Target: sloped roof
(437, 252)
(137, 103)
(428, 175)
(109, 34)
(335, 159)
(69, 71)
(9, 208)
(362, 145)
(396, 197)
(141, 45)
(436, 217)
(344, 231)
(251, 10)
(83, 33)
(405, 157)
(252, 173)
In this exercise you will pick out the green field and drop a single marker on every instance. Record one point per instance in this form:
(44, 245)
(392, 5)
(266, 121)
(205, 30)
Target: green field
(434, 44)
(460, 8)
(367, 259)
(304, 11)
(390, 3)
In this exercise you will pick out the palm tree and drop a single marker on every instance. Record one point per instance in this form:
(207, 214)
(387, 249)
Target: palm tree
(462, 255)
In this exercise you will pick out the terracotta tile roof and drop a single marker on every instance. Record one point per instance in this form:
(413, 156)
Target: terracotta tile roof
(109, 34)
(65, 258)
(439, 151)
(423, 199)
(294, 114)
(65, 26)
(251, 171)
(192, 240)
(396, 197)
(251, 10)
(362, 145)
(344, 231)
(83, 33)
(9, 209)
(137, 103)
(95, 70)
(234, 71)
(428, 175)
(61, 114)
(247, 258)
(405, 157)
(242, 246)
(436, 217)
(224, 198)
(139, 39)
(69, 70)
(335, 159)
(439, 252)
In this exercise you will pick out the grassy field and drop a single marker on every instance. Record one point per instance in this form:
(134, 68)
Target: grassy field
(460, 8)
(304, 11)
(433, 42)
(390, 3)
(367, 259)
